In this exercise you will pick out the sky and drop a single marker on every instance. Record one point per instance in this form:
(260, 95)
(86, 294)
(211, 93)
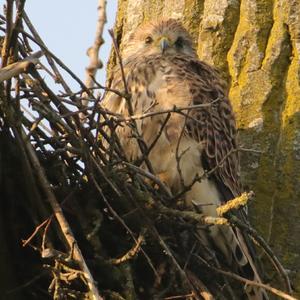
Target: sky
(68, 27)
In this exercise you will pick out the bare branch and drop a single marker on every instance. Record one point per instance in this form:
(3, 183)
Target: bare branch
(49, 57)
(116, 47)
(190, 215)
(249, 282)
(93, 52)
(36, 230)
(58, 213)
(8, 32)
(175, 109)
(131, 253)
(19, 67)
(142, 145)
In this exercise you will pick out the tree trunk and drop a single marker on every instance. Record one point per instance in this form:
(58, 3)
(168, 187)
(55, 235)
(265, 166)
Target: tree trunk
(255, 44)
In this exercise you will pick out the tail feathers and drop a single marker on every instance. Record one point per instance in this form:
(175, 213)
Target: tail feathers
(229, 241)
(253, 292)
(234, 254)
(240, 256)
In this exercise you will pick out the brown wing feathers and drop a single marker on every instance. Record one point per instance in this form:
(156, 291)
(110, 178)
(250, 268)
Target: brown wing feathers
(215, 125)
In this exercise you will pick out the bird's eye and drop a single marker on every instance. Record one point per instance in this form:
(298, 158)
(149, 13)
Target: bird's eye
(148, 40)
(179, 42)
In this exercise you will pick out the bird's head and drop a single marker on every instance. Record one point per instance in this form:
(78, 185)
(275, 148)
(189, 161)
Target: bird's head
(166, 36)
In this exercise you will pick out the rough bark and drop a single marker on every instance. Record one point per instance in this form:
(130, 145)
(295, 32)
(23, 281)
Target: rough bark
(256, 45)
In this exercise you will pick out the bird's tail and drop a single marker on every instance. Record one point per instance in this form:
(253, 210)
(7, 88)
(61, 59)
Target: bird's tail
(239, 255)
(242, 257)
(232, 244)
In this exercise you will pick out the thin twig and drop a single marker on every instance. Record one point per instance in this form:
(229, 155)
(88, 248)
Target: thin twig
(60, 63)
(141, 143)
(93, 52)
(116, 47)
(158, 135)
(131, 253)
(190, 215)
(247, 281)
(205, 174)
(64, 225)
(8, 32)
(117, 217)
(49, 57)
(19, 67)
(174, 109)
(260, 241)
(36, 230)
(150, 176)
(108, 89)
(13, 48)
(178, 155)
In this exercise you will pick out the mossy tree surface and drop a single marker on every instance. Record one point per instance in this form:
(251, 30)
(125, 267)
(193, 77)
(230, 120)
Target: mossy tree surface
(256, 45)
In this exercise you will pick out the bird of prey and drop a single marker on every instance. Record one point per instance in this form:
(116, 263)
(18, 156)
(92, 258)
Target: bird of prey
(183, 115)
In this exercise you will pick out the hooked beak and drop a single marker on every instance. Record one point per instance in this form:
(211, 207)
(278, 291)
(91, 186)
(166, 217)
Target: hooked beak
(164, 44)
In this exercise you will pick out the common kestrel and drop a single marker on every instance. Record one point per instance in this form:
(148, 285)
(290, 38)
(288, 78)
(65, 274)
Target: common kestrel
(163, 76)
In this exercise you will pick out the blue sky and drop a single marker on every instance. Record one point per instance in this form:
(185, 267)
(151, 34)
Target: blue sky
(68, 28)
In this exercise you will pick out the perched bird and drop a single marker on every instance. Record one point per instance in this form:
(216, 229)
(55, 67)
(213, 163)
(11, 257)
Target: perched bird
(163, 74)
